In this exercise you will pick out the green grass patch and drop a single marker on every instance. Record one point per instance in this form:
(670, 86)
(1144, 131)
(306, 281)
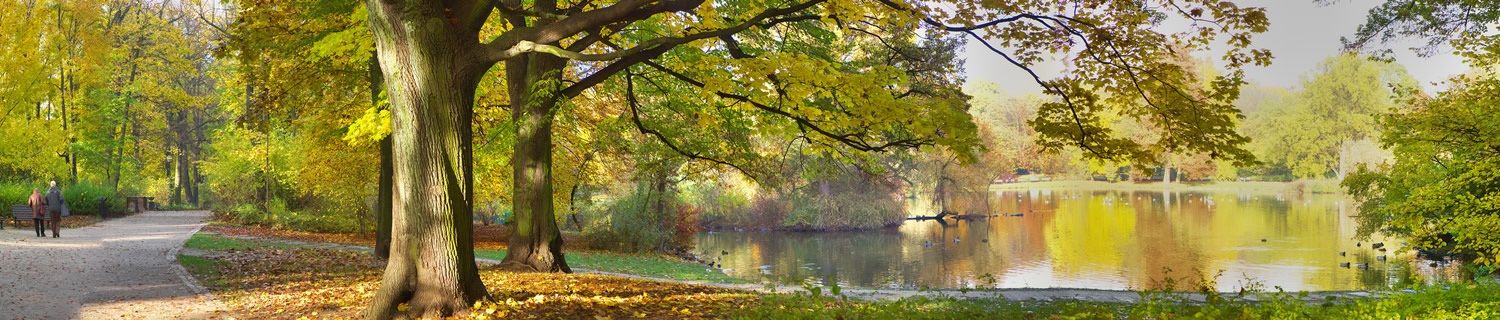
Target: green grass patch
(803, 306)
(206, 269)
(1443, 301)
(215, 242)
(1261, 186)
(642, 265)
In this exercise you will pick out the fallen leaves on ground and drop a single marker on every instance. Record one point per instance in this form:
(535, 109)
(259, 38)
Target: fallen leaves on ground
(268, 282)
(78, 221)
(362, 239)
(485, 236)
(582, 296)
(68, 222)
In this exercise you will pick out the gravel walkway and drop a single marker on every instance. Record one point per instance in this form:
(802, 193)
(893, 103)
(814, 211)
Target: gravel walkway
(119, 268)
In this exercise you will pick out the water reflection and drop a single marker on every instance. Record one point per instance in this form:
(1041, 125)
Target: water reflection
(1100, 239)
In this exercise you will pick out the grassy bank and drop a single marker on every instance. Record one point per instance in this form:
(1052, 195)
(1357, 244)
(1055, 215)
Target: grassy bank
(265, 280)
(260, 279)
(637, 264)
(649, 265)
(1458, 301)
(1310, 186)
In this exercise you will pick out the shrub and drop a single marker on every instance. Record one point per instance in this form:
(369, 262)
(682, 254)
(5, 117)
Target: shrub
(767, 211)
(859, 211)
(13, 193)
(718, 203)
(82, 198)
(642, 221)
(280, 217)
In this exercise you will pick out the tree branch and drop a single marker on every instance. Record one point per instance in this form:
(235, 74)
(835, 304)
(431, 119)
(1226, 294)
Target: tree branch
(635, 117)
(850, 140)
(525, 39)
(640, 53)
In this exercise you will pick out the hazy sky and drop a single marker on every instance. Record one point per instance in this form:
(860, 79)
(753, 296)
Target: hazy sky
(1302, 34)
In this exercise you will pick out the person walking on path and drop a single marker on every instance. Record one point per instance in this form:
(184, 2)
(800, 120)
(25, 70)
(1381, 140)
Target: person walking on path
(55, 206)
(38, 211)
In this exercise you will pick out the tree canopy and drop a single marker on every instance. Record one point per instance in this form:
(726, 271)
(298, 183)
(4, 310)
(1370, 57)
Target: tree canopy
(1442, 186)
(778, 68)
(1336, 107)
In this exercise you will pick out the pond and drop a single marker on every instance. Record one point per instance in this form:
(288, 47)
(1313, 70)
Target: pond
(1096, 239)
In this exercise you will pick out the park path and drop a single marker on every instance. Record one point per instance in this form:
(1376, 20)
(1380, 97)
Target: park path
(1043, 294)
(119, 268)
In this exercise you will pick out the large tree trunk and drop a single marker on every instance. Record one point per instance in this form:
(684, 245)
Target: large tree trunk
(535, 243)
(430, 79)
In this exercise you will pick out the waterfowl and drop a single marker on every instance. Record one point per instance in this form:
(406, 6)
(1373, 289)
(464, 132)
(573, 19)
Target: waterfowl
(1362, 266)
(1341, 253)
(1344, 264)
(1380, 258)
(1377, 245)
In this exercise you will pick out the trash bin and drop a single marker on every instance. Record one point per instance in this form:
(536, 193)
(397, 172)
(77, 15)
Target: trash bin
(103, 208)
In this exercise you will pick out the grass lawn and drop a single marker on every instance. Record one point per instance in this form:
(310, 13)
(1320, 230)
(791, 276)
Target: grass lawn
(642, 265)
(1457, 301)
(214, 242)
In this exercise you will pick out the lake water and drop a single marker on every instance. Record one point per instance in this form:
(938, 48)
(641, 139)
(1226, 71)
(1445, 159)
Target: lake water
(1098, 239)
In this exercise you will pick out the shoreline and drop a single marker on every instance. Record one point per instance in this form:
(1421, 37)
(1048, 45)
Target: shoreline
(874, 294)
(1253, 186)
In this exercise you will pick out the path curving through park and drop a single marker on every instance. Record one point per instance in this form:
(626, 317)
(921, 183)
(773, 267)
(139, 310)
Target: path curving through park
(120, 268)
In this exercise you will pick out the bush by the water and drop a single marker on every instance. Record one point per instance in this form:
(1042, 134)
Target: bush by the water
(794, 210)
(719, 203)
(643, 221)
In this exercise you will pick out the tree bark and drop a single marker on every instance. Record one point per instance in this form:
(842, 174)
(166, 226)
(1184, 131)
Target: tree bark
(383, 199)
(383, 203)
(431, 75)
(536, 242)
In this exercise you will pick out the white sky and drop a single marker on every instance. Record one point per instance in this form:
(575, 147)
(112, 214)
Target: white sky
(1302, 33)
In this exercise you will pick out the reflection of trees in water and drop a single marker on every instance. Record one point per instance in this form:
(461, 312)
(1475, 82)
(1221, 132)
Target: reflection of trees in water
(1099, 239)
(861, 258)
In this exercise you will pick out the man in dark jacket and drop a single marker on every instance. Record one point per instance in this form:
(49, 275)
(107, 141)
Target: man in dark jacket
(55, 205)
(38, 213)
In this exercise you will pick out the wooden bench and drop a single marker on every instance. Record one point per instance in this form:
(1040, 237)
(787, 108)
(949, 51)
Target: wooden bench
(18, 213)
(22, 213)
